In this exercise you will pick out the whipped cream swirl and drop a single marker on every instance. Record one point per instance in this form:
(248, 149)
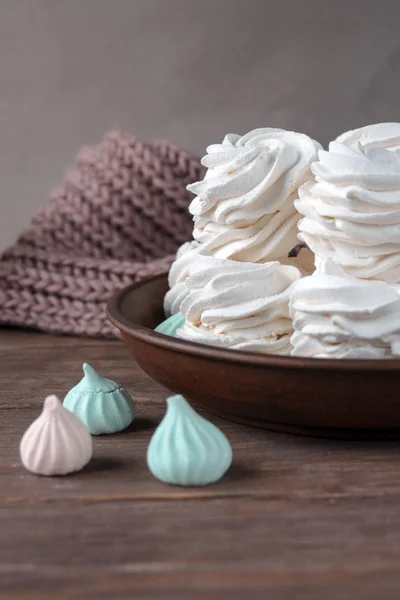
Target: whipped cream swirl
(352, 210)
(243, 208)
(176, 277)
(383, 135)
(338, 316)
(244, 306)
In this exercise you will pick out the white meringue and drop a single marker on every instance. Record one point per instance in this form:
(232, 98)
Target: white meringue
(352, 210)
(56, 443)
(243, 208)
(244, 306)
(176, 277)
(338, 316)
(383, 135)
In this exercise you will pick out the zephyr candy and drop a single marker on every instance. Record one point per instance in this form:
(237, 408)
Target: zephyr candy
(339, 316)
(171, 325)
(239, 305)
(243, 209)
(56, 443)
(101, 404)
(186, 449)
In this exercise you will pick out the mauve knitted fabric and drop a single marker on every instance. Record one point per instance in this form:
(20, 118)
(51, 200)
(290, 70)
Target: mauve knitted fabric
(119, 218)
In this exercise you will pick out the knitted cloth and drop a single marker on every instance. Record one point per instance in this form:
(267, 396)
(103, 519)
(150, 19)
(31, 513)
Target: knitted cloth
(119, 218)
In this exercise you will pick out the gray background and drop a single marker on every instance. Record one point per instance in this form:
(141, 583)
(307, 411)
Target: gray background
(187, 70)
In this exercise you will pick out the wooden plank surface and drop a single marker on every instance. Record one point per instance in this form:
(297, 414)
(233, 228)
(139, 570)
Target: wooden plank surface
(295, 518)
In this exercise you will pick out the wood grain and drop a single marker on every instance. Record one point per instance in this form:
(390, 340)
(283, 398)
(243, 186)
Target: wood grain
(294, 518)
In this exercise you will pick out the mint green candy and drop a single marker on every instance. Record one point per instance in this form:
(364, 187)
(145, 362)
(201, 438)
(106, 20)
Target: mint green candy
(186, 449)
(100, 403)
(171, 325)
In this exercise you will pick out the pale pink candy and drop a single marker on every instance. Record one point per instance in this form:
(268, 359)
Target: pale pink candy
(57, 442)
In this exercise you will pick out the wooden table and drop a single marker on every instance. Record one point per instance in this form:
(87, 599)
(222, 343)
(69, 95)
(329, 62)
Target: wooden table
(295, 518)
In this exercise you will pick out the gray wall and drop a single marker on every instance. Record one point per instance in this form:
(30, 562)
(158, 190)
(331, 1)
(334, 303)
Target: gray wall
(187, 70)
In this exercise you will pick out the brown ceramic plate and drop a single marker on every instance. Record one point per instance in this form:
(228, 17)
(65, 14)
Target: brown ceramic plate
(348, 398)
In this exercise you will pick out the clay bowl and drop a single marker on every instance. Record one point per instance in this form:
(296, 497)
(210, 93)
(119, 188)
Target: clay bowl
(330, 398)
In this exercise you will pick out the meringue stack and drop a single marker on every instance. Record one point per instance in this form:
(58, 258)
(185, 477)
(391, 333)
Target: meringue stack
(336, 315)
(349, 308)
(232, 283)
